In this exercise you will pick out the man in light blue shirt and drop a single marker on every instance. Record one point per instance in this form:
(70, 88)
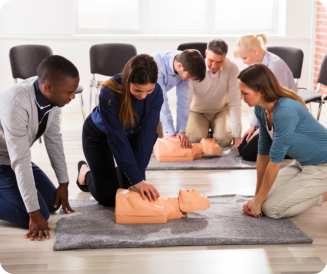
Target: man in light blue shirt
(175, 69)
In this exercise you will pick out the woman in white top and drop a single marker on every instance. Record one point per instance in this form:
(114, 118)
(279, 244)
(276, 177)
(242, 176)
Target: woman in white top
(249, 48)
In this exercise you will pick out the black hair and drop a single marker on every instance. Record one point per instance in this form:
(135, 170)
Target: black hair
(55, 68)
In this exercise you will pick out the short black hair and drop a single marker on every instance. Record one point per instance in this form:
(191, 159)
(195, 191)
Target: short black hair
(218, 46)
(193, 62)
(56, 68)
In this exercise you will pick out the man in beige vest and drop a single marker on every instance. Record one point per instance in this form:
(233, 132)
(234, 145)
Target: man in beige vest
(215, 103)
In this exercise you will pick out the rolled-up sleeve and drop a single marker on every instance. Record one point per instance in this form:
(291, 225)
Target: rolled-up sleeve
(182, 96)
(117, 137)
(285, 121)
(265, 141)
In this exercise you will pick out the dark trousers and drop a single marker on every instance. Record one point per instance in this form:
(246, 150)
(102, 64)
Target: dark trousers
(12, 208)
(104, 178)
(249, 150)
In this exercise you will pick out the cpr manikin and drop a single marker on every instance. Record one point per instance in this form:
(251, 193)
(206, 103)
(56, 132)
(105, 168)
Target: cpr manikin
(169, 150)
(132, 209)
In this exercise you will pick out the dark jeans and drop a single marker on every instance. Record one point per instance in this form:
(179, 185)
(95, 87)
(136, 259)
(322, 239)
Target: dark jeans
(12, 208)
(249, 151)
(104, 178)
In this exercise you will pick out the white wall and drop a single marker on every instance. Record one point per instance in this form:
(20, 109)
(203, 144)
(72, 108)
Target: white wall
(56, 22)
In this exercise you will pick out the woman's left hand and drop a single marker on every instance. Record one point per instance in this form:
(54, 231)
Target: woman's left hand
(253, 208)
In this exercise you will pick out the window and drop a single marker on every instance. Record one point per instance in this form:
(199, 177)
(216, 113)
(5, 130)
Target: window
(194, 17)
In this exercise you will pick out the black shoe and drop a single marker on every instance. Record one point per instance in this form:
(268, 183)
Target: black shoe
(84, 188)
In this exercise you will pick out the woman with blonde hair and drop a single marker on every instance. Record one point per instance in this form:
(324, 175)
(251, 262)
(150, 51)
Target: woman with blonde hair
(249, 48)
(286, 127)
(122, 129)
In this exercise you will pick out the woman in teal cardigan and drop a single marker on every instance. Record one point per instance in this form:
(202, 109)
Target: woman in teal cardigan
(286, 127)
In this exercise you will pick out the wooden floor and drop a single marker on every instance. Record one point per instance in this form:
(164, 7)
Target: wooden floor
(18, 255)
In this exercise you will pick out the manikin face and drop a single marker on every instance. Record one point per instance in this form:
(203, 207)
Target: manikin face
(250, 97)
(140, 92)
(191, 200)
(214, 61)
(61, 93)
(250, 57)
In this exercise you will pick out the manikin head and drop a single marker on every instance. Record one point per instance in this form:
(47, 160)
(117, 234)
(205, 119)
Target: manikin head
(190, 64)
(249, 48)
(58, 80)
(216, 54)
(191, 200)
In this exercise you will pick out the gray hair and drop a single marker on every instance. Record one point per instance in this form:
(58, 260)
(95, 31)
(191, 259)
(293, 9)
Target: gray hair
(218, 46)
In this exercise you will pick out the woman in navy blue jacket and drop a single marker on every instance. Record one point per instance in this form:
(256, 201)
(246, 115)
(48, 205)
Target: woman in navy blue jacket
(122, 128)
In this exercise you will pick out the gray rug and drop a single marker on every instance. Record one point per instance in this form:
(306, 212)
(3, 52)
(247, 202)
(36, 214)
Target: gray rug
(93, 226)
(229, 159)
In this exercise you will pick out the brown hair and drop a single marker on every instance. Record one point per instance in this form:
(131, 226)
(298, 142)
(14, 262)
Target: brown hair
(140, 69)
(193, 62)
(259, 77)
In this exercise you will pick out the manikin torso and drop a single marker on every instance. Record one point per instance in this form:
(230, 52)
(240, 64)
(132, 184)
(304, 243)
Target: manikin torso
(169, 150)
(132, 209)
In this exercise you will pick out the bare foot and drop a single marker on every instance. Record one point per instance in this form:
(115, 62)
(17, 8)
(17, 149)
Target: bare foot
(82, 172)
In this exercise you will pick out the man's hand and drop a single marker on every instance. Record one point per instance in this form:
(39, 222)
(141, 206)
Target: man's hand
(253, 208)
(185, 141)
(249, 134)
(237, 142)
(62, 195)
(146, 189)
(38, 227)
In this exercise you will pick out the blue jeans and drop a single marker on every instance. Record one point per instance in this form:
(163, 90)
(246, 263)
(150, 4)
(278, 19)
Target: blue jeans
(12, 208)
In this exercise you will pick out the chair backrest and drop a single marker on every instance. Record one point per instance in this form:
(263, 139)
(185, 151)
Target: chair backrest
(199, 46)
(293, 57)
(25, 59)
(322, 76)
(110, 59)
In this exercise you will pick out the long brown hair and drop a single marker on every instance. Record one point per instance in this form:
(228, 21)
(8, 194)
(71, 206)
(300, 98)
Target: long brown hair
(140, 69)
(259, 77)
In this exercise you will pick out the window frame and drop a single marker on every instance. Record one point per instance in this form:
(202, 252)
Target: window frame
(210, 24)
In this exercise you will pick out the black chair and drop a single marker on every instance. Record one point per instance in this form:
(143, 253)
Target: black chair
(199, 46)
(108, 59)
(25, 59)
(293, 57)
(314, 96)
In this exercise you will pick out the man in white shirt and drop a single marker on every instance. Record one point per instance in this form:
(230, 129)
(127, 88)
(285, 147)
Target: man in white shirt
(215, 103)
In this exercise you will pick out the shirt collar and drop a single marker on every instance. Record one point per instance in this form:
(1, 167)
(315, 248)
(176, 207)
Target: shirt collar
(213, 75)
(40, 100)
(265, 60)
(171, 63)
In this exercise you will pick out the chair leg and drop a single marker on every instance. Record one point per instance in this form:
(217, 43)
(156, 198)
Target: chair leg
(320, 105)
(319, 110)
(82, 106)
(95, 95)
(91, 91)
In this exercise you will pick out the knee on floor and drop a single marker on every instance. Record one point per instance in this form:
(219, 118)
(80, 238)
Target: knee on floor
(196, 137)
(223, 141)
(270, 210)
